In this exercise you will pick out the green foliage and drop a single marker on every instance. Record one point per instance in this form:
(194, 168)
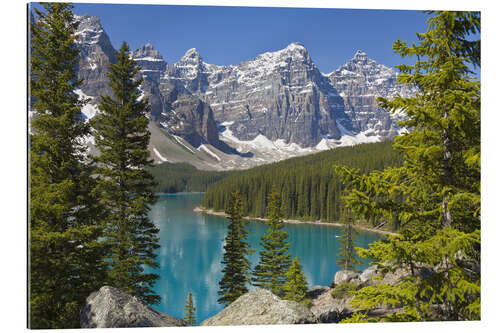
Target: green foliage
(444, 285)
(183, 177)
(308, 186)
(347, 256)
(236, 249)
(296, 284)
(358, 318)
(270, 272)
(343, 289)
(190, 311)
(123, 183)
(435, 194)
(65, 259)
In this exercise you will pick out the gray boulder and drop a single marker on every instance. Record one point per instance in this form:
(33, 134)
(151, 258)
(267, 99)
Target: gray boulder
(367, 275)
(345, 276)
(261, 307)
(110, 307)
(326, 308)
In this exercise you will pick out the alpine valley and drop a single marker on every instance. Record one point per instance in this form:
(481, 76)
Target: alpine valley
(276, 106)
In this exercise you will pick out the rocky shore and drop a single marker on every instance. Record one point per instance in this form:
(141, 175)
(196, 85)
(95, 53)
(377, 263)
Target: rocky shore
(217, 213)
(109, 307)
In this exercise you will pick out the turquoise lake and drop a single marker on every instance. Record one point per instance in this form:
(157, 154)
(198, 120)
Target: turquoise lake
(192, 249)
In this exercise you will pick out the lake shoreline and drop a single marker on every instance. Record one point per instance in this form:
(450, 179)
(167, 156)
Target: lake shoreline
(218, 213)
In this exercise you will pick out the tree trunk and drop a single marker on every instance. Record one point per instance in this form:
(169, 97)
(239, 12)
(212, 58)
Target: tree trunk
(447, 219)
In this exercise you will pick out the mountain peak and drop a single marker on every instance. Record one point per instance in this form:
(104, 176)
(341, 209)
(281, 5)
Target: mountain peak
(87, 22)
(361, 55)
(296, 46)
(147, 52)
(191, 58)
(192, 53)
(295, 51)
(89, 29)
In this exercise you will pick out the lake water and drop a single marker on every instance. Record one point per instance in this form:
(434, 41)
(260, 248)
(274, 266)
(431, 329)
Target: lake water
(192, 249)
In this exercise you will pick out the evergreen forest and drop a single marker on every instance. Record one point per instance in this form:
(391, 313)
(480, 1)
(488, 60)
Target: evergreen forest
(308, 186)
(183, 177)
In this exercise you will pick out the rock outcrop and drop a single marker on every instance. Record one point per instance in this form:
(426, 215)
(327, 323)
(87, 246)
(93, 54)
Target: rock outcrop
(186, 116)
(328, 309)
(261, 307)
(109, 307)
(345, 276)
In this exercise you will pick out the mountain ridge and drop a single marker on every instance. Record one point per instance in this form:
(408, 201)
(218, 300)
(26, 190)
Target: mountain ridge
(274, 106)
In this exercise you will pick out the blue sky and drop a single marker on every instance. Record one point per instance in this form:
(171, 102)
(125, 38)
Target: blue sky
(230, 35)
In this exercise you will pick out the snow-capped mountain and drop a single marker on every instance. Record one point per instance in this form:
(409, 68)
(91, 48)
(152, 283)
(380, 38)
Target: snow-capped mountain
(96, 53)
(275, 106)
(360, 81)
(281, 95)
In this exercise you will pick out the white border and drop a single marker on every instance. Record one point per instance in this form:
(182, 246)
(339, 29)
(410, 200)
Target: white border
(13, 138)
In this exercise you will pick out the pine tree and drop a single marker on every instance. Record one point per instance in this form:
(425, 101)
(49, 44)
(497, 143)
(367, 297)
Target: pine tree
(296, 284)
(236, 249)
(124, 184)
(190, 311)
(65, 257)
(270, 272)
(435, 194)
(347, 254)
(293, 175)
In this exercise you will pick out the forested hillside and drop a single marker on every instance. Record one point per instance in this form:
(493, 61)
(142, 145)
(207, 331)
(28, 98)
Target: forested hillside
(308, 185)
(183, 177)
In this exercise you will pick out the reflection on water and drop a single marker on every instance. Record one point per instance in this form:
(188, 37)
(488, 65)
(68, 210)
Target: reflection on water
(192, 248)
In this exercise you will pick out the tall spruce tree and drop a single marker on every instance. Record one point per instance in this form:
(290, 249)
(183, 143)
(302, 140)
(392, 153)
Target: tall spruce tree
(124, 185)
(236, 264)
(347, 254)
(190, 311)
(270, 272)
(65, 257)
(435, 195)
(296, 283)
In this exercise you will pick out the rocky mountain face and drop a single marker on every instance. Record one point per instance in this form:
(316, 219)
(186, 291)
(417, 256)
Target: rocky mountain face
(96, 53)
(360, 81)
(172, 107)
(282, 102)
(281, 95)
(275, 106)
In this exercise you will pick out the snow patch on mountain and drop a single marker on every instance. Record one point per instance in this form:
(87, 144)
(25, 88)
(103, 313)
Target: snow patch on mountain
(261, 143)
(208, 151)
(157, 153)
(89, 29)
(181, 142)
(89, 110)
